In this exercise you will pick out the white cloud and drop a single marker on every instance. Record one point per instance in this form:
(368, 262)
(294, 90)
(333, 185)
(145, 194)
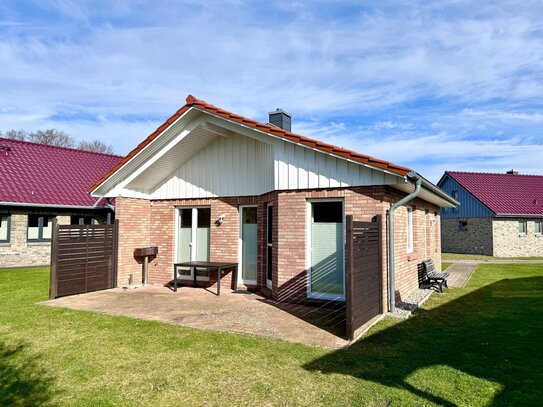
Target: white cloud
(386, 79)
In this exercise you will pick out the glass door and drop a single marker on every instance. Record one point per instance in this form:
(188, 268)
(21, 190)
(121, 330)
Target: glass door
(326, 254)
(193, 240)
(248, 244)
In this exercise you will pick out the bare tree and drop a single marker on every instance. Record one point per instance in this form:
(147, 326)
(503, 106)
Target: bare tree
(96, 146)
(20, 135)
(52, 137)
(59, 138)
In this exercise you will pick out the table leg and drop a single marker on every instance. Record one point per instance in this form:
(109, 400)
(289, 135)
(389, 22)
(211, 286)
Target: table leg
(235, 279)
(219, 281)
(174, 278)
(194, 273)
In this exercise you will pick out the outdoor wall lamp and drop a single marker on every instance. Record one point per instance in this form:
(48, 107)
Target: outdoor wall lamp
(220, 220)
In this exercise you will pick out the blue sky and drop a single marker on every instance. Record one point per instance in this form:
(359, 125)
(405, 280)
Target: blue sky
(440, 85)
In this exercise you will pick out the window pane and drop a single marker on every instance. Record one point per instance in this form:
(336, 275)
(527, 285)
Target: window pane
(270, 224)
(4, 227)
(409, 229)
(327, 212)
(249, 239)
(269, 261)
(538, 226)
(204, 217)
(33, 227)
(47, 227)
(522, 226)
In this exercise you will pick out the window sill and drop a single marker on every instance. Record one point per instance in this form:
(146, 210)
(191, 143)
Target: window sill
(522, 235)
(411, 256)
(5, 244)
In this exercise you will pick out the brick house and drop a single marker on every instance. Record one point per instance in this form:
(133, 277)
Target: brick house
(499, 215)
(39, 183)
(211, 185)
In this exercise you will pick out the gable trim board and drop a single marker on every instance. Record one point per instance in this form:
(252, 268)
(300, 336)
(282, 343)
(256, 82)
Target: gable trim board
(335, 167)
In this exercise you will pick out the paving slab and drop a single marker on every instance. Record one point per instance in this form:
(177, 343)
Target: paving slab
(460, 273)
(246, 313)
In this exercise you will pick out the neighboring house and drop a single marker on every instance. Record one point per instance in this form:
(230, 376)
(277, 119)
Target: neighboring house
(211, 185)
(38, 183)
(499, 214)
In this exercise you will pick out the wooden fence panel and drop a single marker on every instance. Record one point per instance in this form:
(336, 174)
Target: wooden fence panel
(363, 274)
(83, 258)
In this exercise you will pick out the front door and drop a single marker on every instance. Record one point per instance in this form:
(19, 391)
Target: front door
(248, 240)
(326, 250)
(193, 240)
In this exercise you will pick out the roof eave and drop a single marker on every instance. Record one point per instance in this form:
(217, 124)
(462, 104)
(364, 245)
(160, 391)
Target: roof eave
(41, 205)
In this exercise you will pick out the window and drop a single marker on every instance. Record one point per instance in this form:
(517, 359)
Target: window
(463, 225)
(522, 227)
(82, 220)
(538, 226)
(39, 228)
(5, 226)
(409, 229)
(269, 246)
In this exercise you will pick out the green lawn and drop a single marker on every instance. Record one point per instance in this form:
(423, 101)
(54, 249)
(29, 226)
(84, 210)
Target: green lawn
(445, 266)
(457, 256)
(474, 346)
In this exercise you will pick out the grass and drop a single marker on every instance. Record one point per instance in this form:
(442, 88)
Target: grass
(458, 256)
(473, 346)
(445, 266)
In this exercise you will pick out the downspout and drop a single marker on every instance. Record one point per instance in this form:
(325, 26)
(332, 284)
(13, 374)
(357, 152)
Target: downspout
(415, 178)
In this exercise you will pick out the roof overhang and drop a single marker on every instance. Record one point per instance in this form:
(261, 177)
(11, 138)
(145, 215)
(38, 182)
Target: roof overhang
(40, 205)
(429, 192)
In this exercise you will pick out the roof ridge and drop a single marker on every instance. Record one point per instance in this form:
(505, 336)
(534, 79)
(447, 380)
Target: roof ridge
(493, 173)
(58, 147)
(193, 102)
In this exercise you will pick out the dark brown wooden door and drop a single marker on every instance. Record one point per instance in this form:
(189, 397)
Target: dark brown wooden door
(363, 274)
(83, 258)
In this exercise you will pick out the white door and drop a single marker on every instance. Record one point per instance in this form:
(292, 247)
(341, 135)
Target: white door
(326, 250)
(248, 243)
(193, 240)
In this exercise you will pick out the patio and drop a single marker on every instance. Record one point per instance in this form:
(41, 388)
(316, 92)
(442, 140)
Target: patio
(241, 312)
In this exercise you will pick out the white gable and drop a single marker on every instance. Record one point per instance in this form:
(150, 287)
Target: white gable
(213, 157)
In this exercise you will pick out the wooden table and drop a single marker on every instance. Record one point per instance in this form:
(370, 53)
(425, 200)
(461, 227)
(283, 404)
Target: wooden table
(209, 265)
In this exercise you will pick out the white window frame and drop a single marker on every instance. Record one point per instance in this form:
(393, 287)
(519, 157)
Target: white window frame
(525, 222)
(8, 228)
(540, 223)
(409, 228)
(193, 248)
(240, 247)
(269, 283)
(317, 295)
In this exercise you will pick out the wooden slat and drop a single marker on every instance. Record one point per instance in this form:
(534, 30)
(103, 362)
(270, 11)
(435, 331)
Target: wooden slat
(363, 273)
(83, 258)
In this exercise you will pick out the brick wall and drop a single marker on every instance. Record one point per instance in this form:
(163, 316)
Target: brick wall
(21, 253)
(509, 243)
(145, 223)
(475, 239)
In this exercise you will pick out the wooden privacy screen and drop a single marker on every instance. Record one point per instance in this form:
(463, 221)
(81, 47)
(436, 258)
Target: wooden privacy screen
(83, 258)
(364, 293)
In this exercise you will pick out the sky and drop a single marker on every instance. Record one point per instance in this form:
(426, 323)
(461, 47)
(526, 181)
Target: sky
(432, 85)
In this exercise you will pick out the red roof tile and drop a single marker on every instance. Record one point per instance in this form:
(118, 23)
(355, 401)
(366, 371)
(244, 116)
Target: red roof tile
(268, 128)
(40, 174)
(514, 194)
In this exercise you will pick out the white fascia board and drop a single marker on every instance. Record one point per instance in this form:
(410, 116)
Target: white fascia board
(96, 191)
(248, 129)
(119, 186)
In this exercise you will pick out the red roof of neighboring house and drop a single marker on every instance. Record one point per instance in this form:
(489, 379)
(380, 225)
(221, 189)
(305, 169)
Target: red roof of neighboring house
(514, 194)
(40, 174)
(191, 101)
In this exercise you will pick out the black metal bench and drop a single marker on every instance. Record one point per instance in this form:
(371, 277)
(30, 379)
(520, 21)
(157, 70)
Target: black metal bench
(431, 277)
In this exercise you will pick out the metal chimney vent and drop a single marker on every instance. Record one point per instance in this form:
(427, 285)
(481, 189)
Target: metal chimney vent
(512, 172)
(281, 119)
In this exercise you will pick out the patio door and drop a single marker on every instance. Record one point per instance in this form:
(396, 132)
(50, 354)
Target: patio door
(193, 240)
(326, 250)
(248, 243)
